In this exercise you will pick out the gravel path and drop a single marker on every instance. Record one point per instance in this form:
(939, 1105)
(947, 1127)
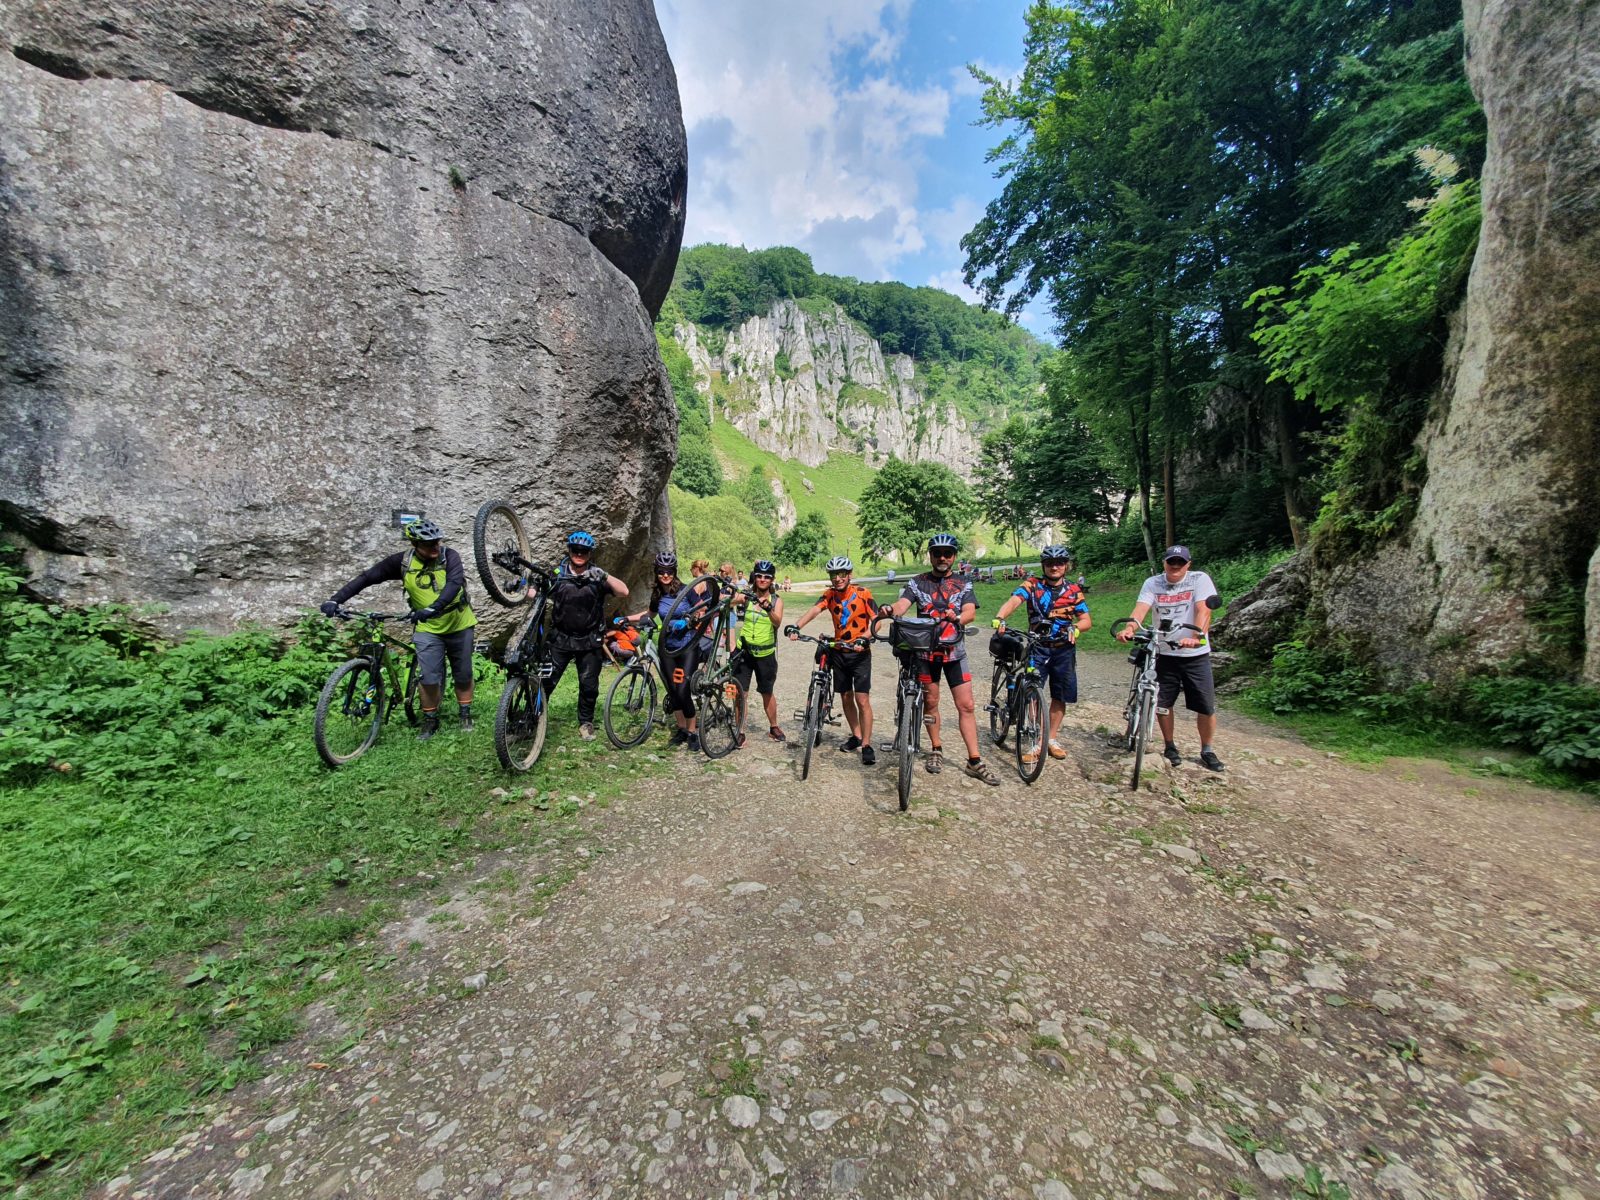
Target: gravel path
(1305, 974)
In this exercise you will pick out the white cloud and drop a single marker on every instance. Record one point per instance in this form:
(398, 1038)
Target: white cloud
(798, 133)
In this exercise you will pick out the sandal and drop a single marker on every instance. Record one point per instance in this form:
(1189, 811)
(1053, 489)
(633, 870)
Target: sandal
(934, 763)
(776, 734)
(980, 771)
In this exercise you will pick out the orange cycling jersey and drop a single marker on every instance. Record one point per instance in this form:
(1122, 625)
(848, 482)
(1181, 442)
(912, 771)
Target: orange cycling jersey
(851, 610)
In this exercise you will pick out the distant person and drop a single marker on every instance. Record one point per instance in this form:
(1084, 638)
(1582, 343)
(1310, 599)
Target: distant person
(435, 584)
(1057, 614)
(577, 616)
(851, 608)
(1178, 595)
(889, 575)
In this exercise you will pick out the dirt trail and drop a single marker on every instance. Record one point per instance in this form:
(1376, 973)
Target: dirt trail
(1218, 986)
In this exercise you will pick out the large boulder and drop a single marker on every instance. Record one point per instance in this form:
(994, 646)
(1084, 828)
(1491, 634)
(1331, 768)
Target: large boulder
(1507, 523)
(231, 345)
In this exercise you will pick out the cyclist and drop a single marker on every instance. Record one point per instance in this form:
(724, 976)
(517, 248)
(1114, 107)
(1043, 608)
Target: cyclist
(852, 610)
(680, 649)
(577, 615)
(761, 612)
(946, 597)
(1179, 596)
(436, 592)
(1058, 613)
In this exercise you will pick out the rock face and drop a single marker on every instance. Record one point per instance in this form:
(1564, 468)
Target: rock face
(231, 345)
(1507, 525)
(802, 382)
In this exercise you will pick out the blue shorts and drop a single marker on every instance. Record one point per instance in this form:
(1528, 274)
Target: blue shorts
(1060, 666)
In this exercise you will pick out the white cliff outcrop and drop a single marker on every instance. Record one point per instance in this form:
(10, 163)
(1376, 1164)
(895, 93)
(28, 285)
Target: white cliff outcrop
(806, 380)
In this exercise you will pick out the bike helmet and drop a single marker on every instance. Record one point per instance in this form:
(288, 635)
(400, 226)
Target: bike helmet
(944, 541)
(423, 531)
(764, 567)
(1060, 554)
(840, 563)
(666, 561)
(580, 539)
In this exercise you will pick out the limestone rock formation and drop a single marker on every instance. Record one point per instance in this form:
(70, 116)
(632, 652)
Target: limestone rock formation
(800, 382)
(247, 309)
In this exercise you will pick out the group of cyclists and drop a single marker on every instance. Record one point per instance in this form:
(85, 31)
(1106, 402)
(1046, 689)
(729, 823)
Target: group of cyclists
(1057, 611)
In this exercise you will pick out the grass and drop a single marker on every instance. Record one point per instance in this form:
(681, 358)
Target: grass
(158, 934)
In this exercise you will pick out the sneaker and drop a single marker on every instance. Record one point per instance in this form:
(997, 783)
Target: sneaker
(850, 743)
(678, 738)
(1030, 757)
(430, 726)
(980, 770)
(869, 756)
(693, 741)
(1057, 750)
(586, 731)
(465, 713)
(776, 734)
(1172, 754)
(934, 762)
(1210, 761)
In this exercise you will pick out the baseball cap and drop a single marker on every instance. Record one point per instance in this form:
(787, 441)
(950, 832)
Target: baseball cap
(1178, 552)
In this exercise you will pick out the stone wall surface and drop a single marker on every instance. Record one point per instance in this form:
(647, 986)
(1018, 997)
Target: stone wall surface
(230, 347)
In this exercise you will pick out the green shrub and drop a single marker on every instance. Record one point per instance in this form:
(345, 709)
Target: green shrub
(1560, 722)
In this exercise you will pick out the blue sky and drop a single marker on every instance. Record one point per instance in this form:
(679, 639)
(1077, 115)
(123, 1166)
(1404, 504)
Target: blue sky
(843, 127)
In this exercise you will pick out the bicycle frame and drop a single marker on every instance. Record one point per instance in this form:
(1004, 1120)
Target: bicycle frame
(375, 648)
(529, 649)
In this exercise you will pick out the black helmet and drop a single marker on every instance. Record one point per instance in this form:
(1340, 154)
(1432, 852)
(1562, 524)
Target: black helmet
(423, 531)
(765, 567)
(944, 541)
(666, 561)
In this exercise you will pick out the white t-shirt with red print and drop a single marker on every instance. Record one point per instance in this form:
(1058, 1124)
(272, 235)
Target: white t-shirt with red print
(1178, 603)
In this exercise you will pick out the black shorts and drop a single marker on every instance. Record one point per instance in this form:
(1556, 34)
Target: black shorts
(434, 648)
(852, 671)
(764, 669)
(1193, 675)
(953, 670)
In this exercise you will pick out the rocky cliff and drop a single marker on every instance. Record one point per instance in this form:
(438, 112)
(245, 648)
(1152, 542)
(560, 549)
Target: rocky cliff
(805, 380)
(269, 271)
(1504, 542)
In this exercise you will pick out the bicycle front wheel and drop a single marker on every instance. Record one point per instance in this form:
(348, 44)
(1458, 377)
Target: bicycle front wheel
(519, 723)
(1000, 705)
(413, 702)
(497, 530)
(812, 733)
(349, 712)
(719, 724)
(1141, 737)
(630, 711)
(1030, 730)
(906, 735)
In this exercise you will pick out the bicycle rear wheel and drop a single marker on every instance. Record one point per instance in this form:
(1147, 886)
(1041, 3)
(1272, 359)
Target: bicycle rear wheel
(812, 733)
(906, 735)
(1141, 737)
(519, 723)
(413, 702)
(498, 529)
(719, 722)
(1000, 704)
(349, 712)
(630, 711)
(1031, 727)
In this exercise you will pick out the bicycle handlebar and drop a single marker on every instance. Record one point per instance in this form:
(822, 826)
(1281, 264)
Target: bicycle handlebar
(793, 633)
(350, 614)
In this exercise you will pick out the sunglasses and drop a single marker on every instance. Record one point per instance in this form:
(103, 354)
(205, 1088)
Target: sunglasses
(579, 550)
(941, 553)
(1177, 562)
(768, 578)
(1054, 562)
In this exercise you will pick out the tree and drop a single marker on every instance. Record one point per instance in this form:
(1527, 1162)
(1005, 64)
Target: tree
(809, 542)
(1006, 503)
(697, 470)
(756, 492)
(907, 503)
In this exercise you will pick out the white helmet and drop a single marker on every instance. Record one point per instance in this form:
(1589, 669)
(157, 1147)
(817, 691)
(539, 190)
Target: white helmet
(840, 563)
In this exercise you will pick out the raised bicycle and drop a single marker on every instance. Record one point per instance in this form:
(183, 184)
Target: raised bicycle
(706, 606)
(1017, 698)
(819, 695)
(1140, 710)
(630, 708)
(361, 693)
(500, 549)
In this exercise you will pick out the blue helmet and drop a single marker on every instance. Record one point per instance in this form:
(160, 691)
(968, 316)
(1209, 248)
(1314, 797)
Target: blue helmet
(944, 541)
(423, 531)
(580, 539)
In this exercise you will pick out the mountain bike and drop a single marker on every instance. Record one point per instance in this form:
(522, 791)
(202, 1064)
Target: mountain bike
(361, 693)
(630, 709)
(912, 638)
(819, 696)
(706, 607)
(1140, 709)
(1017, 698)
(500, 548)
